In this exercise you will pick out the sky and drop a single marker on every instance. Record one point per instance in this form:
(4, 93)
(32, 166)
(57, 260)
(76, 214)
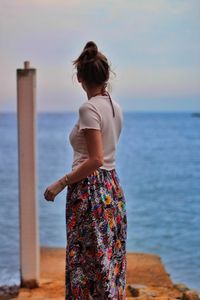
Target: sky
(153, 47)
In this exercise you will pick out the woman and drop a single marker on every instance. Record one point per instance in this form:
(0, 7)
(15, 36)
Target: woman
(96, 222)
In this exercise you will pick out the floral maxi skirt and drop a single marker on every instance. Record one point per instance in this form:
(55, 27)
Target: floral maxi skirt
(96, 227)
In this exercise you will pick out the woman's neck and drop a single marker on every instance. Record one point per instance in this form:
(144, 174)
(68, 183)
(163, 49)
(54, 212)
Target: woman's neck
(94, 92)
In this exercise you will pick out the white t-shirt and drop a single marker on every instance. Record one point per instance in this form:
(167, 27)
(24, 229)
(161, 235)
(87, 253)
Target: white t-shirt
(97, 113)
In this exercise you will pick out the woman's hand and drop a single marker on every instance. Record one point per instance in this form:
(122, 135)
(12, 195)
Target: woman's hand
(52, 190)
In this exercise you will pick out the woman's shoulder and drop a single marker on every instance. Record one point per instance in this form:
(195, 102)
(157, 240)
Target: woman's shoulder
(99, 106)
(88, 110)
(87, 106)
(101, 101)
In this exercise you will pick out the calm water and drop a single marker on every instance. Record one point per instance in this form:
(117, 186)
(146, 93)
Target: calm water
(158, 163)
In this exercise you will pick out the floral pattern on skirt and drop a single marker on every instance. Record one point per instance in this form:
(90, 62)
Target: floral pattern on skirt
(96, 227)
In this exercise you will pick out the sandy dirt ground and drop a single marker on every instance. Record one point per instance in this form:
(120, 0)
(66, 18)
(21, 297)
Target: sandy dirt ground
(147, 278)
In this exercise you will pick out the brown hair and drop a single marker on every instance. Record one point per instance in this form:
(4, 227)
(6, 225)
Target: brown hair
(92, 66)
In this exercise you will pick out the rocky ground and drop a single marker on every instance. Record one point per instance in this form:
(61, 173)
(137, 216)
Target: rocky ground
(146, 279)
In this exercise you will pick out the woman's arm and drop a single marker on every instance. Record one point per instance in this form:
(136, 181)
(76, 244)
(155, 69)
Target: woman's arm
(95, 151)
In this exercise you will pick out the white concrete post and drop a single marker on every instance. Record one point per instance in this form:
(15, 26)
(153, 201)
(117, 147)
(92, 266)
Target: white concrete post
(27, 164)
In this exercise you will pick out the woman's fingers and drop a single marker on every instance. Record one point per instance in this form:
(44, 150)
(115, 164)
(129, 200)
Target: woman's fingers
(48, 195)
(52, 191)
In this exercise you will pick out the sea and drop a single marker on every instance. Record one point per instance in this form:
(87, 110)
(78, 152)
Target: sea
(158, 164)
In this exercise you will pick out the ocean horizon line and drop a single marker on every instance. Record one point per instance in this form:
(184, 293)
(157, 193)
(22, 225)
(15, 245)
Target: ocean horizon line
(124, 111)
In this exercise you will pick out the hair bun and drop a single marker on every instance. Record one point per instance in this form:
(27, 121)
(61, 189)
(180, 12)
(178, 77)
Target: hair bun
(91, 44)
(92, 66)
(90, 51)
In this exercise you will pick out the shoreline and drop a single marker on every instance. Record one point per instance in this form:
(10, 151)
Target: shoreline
(146, 278)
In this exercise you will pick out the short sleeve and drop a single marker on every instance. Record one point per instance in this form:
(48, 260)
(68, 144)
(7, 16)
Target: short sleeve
(89, 117)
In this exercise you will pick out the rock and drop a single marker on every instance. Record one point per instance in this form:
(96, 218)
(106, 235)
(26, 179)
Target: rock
(138, 286)
(45, 281)
(6, 291)
(147, 293)
(134, 290)
(190, 295)
(140, 290)
(181, 287)
(151, 294)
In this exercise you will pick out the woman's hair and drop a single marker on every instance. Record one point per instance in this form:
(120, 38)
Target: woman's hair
(92, 66)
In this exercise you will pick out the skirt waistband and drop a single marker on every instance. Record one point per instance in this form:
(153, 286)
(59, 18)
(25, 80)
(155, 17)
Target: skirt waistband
(97, 174)
(99, 171)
